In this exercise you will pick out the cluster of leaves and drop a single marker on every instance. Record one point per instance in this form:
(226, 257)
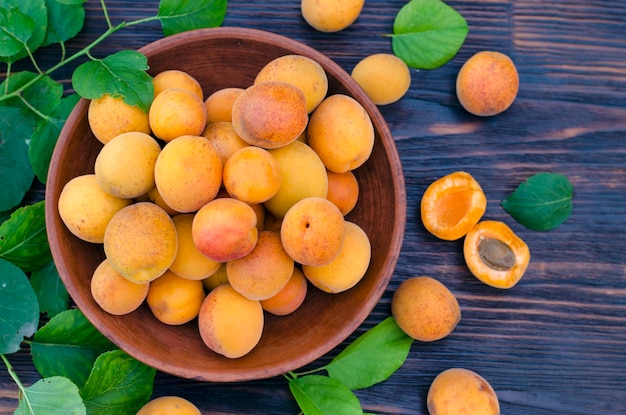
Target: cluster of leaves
(83, 373)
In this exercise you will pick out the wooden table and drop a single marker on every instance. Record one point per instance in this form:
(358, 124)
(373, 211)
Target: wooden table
(556, 342)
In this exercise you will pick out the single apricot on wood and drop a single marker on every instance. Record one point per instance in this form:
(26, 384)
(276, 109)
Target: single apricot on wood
(170, 405)
(461, 391)
(425, 309)
(452, 205)
(495, 254)
(487, 83)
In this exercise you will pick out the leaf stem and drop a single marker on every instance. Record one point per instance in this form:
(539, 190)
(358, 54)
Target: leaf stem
(18, 382)
(106, 14)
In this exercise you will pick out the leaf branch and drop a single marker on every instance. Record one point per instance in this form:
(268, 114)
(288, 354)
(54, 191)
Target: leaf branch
(18, 382)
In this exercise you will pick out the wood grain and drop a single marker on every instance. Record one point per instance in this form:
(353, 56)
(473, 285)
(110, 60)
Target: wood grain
(556, 343)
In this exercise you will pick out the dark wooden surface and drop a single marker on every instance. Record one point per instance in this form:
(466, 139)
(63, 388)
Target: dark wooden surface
(555, 343)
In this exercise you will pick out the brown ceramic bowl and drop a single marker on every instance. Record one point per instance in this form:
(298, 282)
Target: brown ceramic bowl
(219, 58)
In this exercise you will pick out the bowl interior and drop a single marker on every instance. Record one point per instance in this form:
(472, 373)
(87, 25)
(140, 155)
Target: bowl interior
(220, 58)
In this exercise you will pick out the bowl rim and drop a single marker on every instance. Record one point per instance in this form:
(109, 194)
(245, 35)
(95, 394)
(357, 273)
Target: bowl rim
(390, 262)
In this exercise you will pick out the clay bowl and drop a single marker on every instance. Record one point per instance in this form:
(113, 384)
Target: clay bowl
(219, 58)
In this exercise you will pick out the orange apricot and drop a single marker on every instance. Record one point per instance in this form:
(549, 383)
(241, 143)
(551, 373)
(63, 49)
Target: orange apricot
(495, 254)
(452, 205)
(343, 190)
(290, 297)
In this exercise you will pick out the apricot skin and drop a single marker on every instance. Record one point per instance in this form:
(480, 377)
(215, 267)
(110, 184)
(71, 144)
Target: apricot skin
(114, 293)
(175, 300)
(384, 77)
(169, 405)
(487, 83)
(108, 117)
(290, 297)
(461, 391)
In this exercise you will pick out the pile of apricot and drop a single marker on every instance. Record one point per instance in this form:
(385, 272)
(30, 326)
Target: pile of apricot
(226, 207)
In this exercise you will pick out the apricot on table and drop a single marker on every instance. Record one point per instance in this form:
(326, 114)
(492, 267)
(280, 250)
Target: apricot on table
(270, 114)
(487, 83)
(301, 71)
(425, 309)
(495, 255)
(174, 78)
(176, 112)
(461, 391)
(348, 267)
(452, 205)
(86, 209)
(114, 293)
(229, 323)
(219, 105)
(175, 300)
(169, 405)
(331, 15)
(384, 77)
(110, 116)
(140, 242)
(290, 297)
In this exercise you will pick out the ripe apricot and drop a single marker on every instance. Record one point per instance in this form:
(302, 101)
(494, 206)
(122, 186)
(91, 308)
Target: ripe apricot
(140, 242)
(461, 391)
(229, 323)
(114, 293)
(331, 15)
(425, 309)
(290, 297)
(86, 209)
(384, 77)
(495, 255)
(224, 138)
(487, 83)
(175, 300)
(270, 114)
(264, 271)
(109, 117)
(219, 105)
(251, 175)
(174, 78)
(190, 263)
(452, 205)
(176, 112)
(169, 405)
(343, 190)
(219, 277)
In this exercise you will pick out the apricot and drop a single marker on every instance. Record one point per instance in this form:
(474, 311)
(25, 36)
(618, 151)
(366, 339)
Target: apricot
(495, 255)
(425, 309)
(225, 229)
(331, 15)
(461, 391)
(264, 271)
(348, 267)
(174, 78)
(302, 175)
(313, 231)
(190, 263)
(86, 209)
(110, 116)
(155, 197)
(300, 71)
(251, 175)
(290, 297)
(270, 114)
(115, 294)
(124, 167)
(188, 173)
(169, 405)
(219, 277)
(229, 323)
(140, 242)
(487, 83)
(176, 112)
(384, 77)
(341, 133)
(219, 105)
(175, 300)
(452, 205)
(224, 138)
(343, 190)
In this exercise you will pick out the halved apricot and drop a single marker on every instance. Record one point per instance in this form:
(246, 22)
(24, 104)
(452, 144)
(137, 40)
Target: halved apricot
(452, 205)
(495, 254)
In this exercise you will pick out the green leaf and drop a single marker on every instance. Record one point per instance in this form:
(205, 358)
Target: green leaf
(64, 21)
(542, 202)
(321, 395)
(19, 310)
(179, 16)
(36, 10)
(52, 396)
(118, 385)
(45, 137)
(15, 30)
(373, 357)
(68, 345)
(16, 173)
(23, 238)
(121, 74)
(427, 33)
(44, 94)
(51, 293)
